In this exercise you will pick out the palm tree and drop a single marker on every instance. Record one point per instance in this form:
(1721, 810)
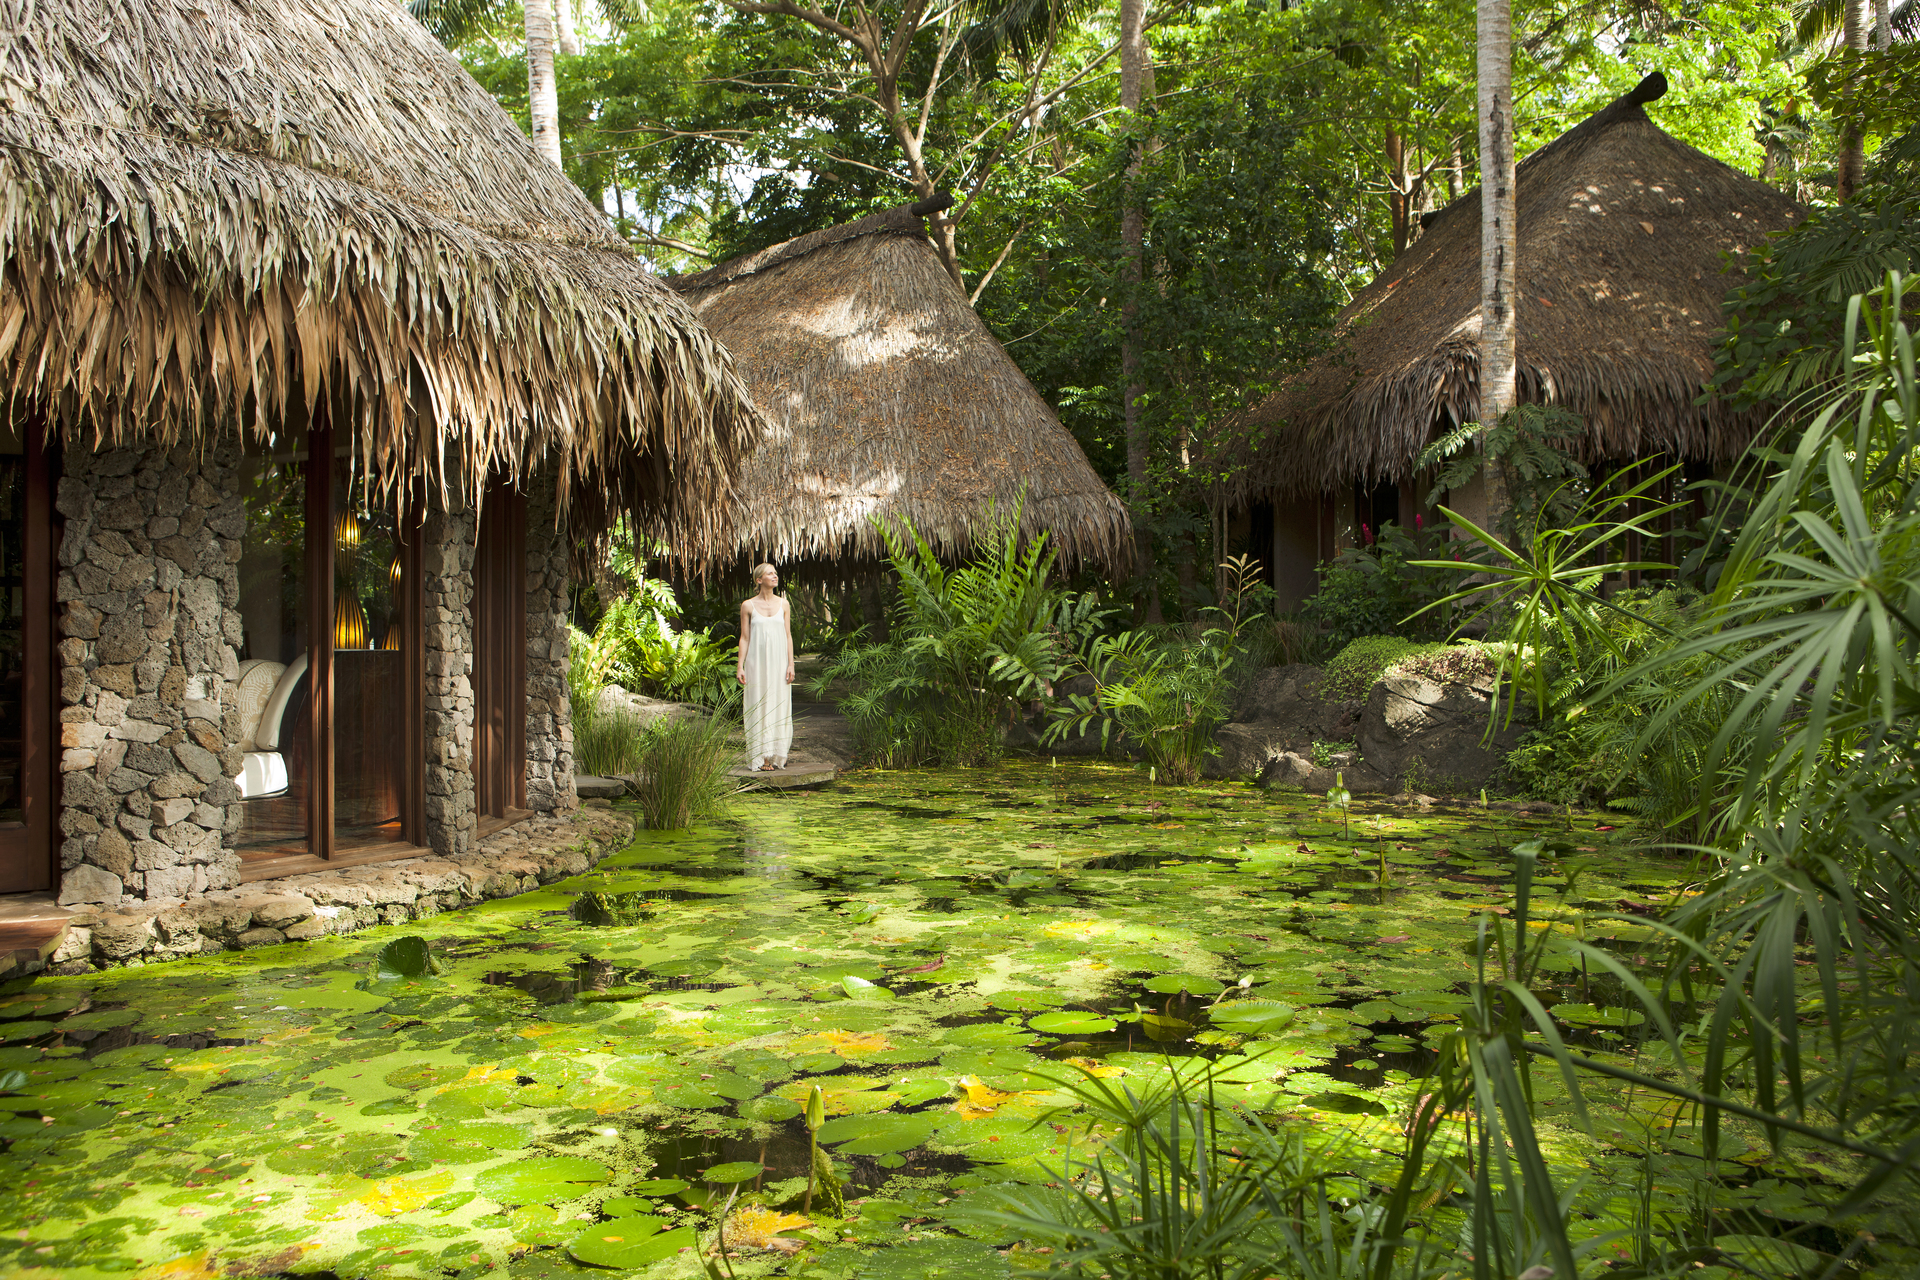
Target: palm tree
(549, 26)
(1498, 239)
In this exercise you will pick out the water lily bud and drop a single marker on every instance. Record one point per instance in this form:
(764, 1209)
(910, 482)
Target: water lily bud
(1246, 982)
(816, 1108)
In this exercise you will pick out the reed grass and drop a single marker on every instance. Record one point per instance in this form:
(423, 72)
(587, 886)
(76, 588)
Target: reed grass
(606, 743)
(683, 775)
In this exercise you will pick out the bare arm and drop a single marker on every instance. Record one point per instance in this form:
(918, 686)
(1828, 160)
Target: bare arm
(786, 625)
(746, 623)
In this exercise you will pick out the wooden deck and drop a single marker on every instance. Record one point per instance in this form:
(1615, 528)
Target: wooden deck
(256, 867)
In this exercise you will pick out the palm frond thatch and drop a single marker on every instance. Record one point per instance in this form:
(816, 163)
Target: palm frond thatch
(888, 397)
(1622, 232)
(221, 216)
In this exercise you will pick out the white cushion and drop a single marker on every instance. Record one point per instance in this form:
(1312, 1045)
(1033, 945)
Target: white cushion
(267, 736)
(262, 773)
(258, 676)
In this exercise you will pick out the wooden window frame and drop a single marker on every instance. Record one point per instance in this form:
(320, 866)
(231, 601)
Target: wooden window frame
(30, 845)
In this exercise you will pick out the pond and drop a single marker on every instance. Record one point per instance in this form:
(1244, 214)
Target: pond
(934, 951)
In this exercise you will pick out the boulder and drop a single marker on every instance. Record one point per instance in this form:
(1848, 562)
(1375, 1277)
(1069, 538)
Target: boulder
(1288, 699)
(89, 884)
(592, 788)
(614, 700)
(1290, 771)
(1247, 749)
(1430, 736)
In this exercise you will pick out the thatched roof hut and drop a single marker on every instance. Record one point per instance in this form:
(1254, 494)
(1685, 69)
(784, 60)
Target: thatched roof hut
(888, 397)
(226, 214)
(1622, 229)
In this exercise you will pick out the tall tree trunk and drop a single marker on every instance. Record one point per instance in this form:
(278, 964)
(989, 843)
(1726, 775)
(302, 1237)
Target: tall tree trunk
(1399, 191)
(1498, 239)
(1133, 231)
(565, 36)
(1853, 153)
(1882, 25)
(543, 94)
(1456, 172)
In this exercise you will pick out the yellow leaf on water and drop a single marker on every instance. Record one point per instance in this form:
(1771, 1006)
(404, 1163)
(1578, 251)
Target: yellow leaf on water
(755, 1228)
(391, 1196)
(848, 1044)
(192, 1266)
(980, 1100)
(1095, 1067)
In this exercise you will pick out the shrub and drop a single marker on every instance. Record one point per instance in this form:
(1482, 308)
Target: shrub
(1377, 590)
(1448, 664)
(970, 645)
(1168, 698)
(1353, 672)
(685, 764)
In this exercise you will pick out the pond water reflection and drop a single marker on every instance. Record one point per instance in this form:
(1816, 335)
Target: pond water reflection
(930, 957)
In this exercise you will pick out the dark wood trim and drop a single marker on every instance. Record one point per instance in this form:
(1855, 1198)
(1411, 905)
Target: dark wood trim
(413, 631)
(320, 632)
(500, 653)
(492, 826)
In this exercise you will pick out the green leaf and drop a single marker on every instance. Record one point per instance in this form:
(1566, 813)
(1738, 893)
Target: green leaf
(658, 1187)
(733, 1171)
(629, 1243)
(860, 989)
(1069, 1023)
(1253, 1017)
(1193, 984)
(541, 1180)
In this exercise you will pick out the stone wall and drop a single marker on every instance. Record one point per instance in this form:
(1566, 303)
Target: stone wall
(447, 558)
(148, 588)
(549, 711)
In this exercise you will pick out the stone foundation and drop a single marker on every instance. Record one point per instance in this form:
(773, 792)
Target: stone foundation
(518, 860)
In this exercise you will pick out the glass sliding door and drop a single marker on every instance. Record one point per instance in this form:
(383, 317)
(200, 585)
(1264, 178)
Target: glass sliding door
(332, 672)
(275, 695)
(376, 707)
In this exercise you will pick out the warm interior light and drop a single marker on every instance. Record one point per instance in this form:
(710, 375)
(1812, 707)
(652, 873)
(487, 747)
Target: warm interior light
(346, 532)
(394, 572)
(349, 623)
(393, 635)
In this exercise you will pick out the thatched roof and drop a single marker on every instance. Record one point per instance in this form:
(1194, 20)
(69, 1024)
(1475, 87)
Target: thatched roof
(218, 214)
(1621, 232)
(888, 397)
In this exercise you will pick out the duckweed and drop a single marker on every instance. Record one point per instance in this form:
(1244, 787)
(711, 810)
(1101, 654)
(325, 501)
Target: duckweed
(586, 1077)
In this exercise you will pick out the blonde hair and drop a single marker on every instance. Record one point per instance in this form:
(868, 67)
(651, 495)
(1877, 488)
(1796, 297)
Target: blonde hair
(760, 569)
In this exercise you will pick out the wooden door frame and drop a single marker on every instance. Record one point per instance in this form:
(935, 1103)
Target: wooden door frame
(320, 567)
(500, 652)
(32, 842)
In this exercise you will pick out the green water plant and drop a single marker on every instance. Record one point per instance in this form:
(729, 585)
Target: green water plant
(1165, 699)
(685, 768)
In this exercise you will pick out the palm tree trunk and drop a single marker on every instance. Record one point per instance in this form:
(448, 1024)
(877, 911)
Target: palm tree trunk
(1133, 230)
(1498, 239)
(543, 94)
(1853, 152)
(567, 38)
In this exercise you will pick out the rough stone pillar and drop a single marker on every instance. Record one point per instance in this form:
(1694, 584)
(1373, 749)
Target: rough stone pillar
(149, 587)
(447, 557)
(549, 710)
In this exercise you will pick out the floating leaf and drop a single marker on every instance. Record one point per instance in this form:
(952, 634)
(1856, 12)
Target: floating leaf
(1068, 1023)
(1587, 1015)
(1193, 984)
(733, 1171)
(1253, 1017)
(629, 1243)
(1162, 1028)
(860, 989)
(541, 1180)
(772, 1109)
(877, 1135)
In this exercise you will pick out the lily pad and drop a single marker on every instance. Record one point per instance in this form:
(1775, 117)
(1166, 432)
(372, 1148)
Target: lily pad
(1191, 983)
(879, 1134)
(732, 1172)
(541, 1180)
(659, 1187)
(628, 1243)
(467, 1142)
(769, 1110)
(1070, 1023)
(1253, 1017)
(860, 989)
(1587, 1015)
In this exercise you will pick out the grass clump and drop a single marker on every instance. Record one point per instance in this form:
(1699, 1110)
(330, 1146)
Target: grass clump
(606, 743)
(684, 770)
(1358, 667)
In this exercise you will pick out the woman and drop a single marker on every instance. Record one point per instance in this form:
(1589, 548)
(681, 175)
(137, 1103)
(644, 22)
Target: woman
(766, 669)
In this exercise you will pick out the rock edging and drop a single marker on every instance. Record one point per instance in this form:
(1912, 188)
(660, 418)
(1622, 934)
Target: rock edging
(518, 860)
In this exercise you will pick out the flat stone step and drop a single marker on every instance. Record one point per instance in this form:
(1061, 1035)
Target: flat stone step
(591, 788)
(800, 772)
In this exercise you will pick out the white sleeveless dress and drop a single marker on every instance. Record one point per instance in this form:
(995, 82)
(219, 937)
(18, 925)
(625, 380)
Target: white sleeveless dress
(769, 698)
